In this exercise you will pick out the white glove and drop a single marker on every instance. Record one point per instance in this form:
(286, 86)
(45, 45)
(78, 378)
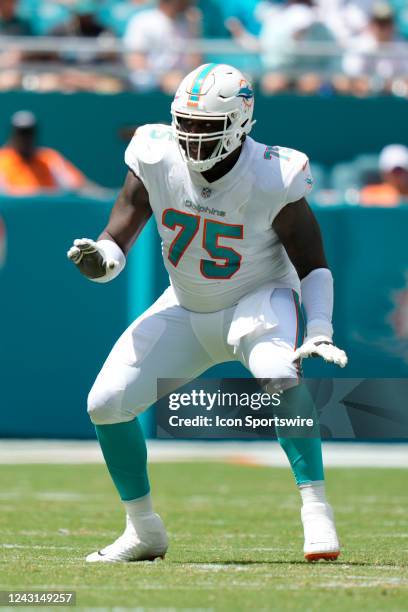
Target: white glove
(321, 346)
(100, 261)
(86, 246)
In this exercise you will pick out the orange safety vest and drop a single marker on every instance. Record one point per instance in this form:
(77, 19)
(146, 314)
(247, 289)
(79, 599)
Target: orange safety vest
(47, 169)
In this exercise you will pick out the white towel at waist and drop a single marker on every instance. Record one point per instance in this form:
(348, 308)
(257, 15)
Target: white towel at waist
(252, 312)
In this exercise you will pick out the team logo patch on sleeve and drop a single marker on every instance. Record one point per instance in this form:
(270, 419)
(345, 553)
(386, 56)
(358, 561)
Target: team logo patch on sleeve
(277, 152)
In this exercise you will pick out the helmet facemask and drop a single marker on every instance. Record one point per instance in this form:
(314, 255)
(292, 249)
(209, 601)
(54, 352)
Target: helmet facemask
(211, 93)
(194, 147)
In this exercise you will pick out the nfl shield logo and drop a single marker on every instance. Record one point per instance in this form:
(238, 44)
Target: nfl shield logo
(205, 192)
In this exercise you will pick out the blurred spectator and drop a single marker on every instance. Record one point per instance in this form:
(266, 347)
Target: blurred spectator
(237, 19)
(11, 23)
(245, 11)
(393, 166)
(363, 63)
(156, 39)
(80, 21)
(46, 14)
(115, 14)
(345, 18)
(84, 24)
(26, 169)
(83, 21)
(296, 22)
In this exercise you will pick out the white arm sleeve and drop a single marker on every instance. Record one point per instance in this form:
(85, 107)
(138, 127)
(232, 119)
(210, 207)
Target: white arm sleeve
(317, 299)
(113, 258)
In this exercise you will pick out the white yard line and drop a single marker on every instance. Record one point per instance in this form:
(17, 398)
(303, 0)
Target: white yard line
(336, 454)
(38, 547)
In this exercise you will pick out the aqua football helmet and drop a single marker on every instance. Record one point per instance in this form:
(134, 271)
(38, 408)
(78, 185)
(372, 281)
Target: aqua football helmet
(212, 92)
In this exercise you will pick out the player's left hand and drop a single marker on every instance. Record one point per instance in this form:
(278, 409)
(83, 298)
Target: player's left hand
(90, 259)
(321, 346)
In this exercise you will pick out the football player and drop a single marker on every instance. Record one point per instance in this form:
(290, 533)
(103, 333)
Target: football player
(241, 247)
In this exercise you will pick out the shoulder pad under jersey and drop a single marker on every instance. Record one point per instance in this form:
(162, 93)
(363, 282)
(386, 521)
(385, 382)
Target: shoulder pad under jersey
(149, 144)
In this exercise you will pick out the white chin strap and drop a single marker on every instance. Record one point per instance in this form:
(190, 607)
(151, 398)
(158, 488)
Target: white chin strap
(201, 166)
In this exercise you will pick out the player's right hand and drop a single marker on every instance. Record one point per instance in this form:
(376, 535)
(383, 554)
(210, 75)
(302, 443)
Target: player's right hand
(89, 258)
(321, 347)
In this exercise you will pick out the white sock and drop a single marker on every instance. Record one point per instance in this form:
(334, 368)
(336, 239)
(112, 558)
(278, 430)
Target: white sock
(313, 492)
(138, 508)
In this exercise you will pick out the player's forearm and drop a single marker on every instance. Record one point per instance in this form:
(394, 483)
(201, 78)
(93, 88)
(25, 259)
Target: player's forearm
(124, 228)
(129, 215)
(103, 260)
(114, 243)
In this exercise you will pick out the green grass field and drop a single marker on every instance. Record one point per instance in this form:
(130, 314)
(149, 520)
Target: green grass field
(236, 539)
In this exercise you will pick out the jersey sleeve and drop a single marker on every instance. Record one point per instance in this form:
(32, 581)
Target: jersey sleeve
(132, 159)
(298, 178)
(147, 150)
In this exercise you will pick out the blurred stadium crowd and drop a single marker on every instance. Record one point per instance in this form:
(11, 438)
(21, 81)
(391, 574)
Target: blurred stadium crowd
(325, 47)
(310, 47)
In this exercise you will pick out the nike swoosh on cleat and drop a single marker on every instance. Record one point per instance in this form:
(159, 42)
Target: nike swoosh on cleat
(101, 554)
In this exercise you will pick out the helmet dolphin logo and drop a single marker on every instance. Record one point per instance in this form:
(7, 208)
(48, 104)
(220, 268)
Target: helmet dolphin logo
(245, 92)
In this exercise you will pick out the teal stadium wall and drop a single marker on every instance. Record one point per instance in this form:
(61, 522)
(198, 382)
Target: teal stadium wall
(91, 129)
(56, 328)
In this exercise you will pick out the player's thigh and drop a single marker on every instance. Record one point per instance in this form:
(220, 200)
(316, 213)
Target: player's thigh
(159, 344)
(270, 354)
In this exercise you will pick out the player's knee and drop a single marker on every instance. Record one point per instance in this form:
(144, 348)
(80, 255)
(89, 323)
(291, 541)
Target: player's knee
(104, 405)
(274, 365)
(117, 396)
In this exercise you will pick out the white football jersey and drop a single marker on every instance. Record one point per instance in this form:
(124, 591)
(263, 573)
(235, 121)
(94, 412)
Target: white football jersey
(218, 243)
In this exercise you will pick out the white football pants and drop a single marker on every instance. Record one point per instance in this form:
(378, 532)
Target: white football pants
(168, 341)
